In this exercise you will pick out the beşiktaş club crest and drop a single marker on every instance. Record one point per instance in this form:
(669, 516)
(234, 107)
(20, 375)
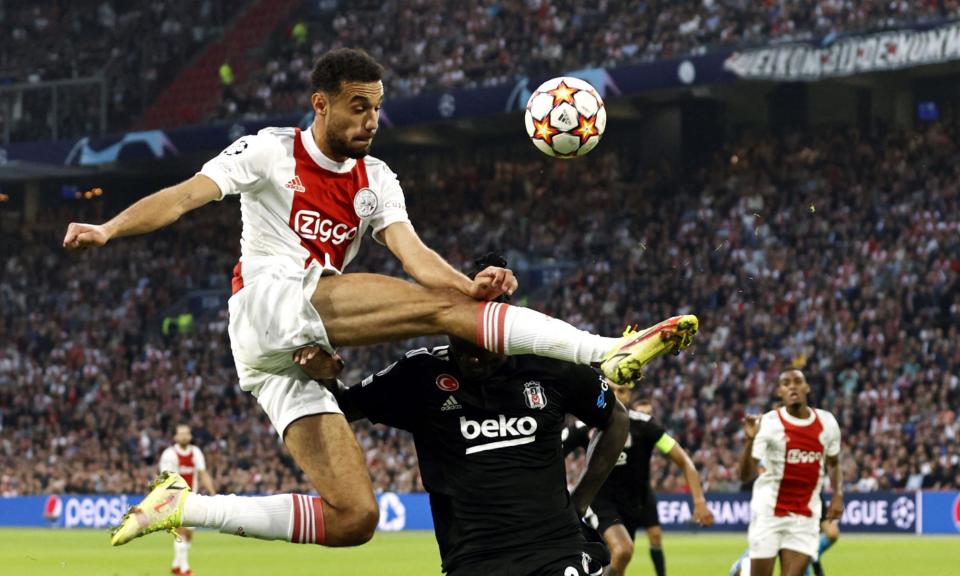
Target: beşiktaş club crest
(365, 203)
(534, 396)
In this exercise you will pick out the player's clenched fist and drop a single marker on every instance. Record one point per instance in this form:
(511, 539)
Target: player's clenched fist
(492, 282)
(317, 363)
(84, 236)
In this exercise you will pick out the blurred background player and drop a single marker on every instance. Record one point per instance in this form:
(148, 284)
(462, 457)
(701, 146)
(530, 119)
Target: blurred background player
(187, 460)
(797, 445)
(626, 500)
(487, 430)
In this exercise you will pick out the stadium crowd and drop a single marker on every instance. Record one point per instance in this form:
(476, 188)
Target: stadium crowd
(829, 251)
(138, 46)
(443, 45)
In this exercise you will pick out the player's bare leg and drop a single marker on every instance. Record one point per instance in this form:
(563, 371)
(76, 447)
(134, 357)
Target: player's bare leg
(181, 551)
(360, 309)
(344, 514)
(655, 536)
(324, 447)
(621, 549)
(793, 563)
(762, 566)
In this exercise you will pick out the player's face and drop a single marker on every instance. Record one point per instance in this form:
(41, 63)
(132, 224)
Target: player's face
(474, 363)
(183, 436)
(793, 389)
(351, 118)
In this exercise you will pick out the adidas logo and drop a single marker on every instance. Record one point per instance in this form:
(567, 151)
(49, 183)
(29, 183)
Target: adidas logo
(295, 184)
(450, 404)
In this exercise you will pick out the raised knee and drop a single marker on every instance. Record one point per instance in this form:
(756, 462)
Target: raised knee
(620, 556)
(359, 525)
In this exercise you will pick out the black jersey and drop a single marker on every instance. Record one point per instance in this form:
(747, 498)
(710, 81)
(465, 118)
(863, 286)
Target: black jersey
(490, 453)
(629, 482)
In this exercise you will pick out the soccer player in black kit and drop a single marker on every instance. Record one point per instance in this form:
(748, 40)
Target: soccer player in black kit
(487, 430)
(626, 500)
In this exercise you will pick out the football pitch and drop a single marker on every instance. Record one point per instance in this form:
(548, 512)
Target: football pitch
(88, 553)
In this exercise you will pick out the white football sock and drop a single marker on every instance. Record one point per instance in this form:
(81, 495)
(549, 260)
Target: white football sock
(292, 517)
(514, 330)
(181, 549)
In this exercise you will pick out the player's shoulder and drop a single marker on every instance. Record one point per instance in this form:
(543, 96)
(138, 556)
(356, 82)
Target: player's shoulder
(270, 140)
(638, 416)
(437, 356)
(374, 163)
(770, 419)
(279, 133)
(771, 415)
(827, 417)
(378, 170)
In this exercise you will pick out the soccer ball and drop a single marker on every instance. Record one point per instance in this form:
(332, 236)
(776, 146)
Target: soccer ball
(565, 117)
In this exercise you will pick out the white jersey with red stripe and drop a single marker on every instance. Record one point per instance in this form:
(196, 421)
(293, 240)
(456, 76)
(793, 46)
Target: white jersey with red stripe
(299, 206)
(794, 453)
(187, 462)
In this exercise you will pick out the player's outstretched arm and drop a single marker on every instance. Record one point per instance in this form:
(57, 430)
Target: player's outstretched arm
(432, 271)
(146, 215)
(701, 514)
(602, 455)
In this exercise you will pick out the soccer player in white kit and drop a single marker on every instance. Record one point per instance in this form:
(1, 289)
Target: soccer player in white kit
(798, 446)
(307, 198)
(187, 460)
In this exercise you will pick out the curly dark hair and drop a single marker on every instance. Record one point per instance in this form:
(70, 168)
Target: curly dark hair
(344, 65)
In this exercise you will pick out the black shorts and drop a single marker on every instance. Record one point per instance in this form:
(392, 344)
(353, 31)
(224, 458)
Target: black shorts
(632, 517)
(542, 563)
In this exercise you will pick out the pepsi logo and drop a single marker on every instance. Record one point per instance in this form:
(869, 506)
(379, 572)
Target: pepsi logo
(53, 508)
(447, 383)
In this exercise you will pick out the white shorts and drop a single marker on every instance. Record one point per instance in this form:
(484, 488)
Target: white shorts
(270, 318)
(769, 534)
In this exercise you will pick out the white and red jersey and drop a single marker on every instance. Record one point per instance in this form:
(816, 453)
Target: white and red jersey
(793, 452)
(185, 462)
(299, 206)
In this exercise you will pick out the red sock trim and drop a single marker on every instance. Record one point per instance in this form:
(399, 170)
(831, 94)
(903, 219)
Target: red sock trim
(481, 315)
(320, 528)
(297, 519)
(501, 323)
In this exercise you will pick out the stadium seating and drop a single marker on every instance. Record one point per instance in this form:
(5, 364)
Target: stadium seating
(438, 45)
(142, 48)
(825, 250)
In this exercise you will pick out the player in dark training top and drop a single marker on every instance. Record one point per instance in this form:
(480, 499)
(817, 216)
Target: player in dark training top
(487, 430)
(626, 500)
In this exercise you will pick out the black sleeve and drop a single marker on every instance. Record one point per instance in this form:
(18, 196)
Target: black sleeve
(587, 396)
(574, 437)
(390, 397)
(652, 431)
